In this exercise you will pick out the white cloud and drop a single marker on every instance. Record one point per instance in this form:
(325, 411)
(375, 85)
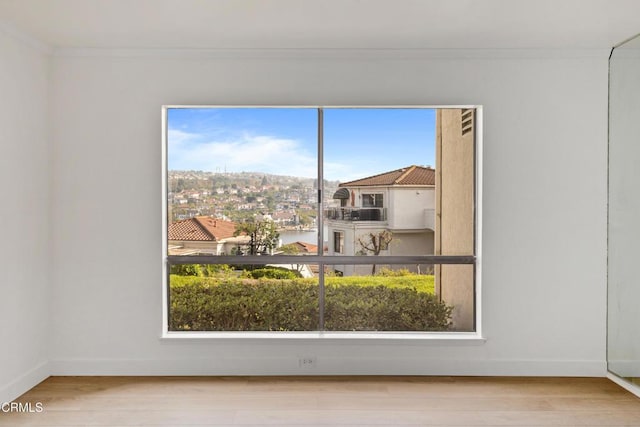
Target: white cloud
(178, 137)
(248, 153)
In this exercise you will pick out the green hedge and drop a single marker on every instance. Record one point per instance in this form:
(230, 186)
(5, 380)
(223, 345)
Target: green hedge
(421, 283)
(380, 308)
(234, 304)
(201, 270)
(243, 305)
(271, 273)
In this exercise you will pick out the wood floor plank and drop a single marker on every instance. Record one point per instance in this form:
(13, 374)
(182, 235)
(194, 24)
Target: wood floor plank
(327, 401)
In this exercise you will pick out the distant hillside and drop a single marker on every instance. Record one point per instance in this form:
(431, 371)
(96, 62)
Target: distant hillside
(199, 180)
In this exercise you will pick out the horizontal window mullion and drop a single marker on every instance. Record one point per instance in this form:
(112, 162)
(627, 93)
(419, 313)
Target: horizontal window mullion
(400, 259)
(317, 259)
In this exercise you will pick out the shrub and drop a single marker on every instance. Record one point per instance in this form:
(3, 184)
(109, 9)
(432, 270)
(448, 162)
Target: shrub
(201, 270)
(381, 308)
(244, 305)
(234, 304)
(421, 283)
(271, 273)
(388, 272)
(186, 270)
(216, 270)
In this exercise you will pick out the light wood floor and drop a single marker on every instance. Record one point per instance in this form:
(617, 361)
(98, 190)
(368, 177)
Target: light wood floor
(324, 401)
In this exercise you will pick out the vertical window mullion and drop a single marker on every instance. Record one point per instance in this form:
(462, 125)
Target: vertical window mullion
(320, 217)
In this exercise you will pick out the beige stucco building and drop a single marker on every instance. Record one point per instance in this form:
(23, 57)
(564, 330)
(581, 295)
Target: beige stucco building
(401, 202)
(455, 211)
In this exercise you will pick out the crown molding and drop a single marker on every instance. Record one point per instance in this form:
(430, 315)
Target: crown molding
(329, 54)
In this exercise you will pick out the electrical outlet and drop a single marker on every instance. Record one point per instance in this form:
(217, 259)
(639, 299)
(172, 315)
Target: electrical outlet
(307, 362)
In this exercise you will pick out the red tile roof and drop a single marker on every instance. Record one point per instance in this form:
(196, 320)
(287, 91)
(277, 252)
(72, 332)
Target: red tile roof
(306, 247)
(201, 228)
(411, 175)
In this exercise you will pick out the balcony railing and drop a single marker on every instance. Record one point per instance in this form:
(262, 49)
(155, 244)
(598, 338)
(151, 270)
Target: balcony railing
(356, 214)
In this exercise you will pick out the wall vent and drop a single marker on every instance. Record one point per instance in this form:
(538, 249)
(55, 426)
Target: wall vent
(467, 121)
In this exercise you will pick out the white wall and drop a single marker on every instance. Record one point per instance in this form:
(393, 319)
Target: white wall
(543, 271)
(24, 215)
(406, 207)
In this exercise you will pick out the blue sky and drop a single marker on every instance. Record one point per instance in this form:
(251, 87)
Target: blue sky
(283, 141)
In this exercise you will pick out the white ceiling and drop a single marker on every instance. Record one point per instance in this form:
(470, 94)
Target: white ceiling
(324, 23)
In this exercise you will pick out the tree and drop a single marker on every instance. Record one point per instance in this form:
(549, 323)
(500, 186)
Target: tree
(180, 185)
(374, 243)
(262, 233)
(290, 249)
(270, 201)
(305, 217)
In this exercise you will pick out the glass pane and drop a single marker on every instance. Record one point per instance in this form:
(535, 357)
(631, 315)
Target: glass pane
(624, 208)
(242, 181)
(399, 298)
(399, 181)
(243, 298)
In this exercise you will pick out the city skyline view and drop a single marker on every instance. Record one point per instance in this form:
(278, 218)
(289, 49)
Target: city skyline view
(358, 142)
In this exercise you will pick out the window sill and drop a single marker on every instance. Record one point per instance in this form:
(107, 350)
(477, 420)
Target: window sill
(445, 338)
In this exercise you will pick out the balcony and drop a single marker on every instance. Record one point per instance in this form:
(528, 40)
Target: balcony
(356, 214)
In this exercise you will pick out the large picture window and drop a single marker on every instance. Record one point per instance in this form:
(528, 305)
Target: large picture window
(320, 219)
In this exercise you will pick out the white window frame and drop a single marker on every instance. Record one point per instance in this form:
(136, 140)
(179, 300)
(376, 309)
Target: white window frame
(475, 337)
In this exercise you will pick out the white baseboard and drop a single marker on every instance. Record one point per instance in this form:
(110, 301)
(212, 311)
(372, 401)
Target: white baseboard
(624, 384)
(24, 382)
(328, 366)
